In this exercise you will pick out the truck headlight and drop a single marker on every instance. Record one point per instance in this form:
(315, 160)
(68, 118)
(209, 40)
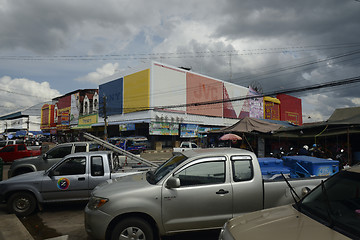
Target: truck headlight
(96, 202)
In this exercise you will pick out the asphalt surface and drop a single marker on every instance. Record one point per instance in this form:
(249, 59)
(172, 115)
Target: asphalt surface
(66, 221)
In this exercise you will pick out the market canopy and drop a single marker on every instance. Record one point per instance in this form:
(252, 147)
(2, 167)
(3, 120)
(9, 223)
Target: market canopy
(342, 121)
(345, 116)
(248, 124)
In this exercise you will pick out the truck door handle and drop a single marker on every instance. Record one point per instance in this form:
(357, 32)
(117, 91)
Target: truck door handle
(222, 191)
(81, 179)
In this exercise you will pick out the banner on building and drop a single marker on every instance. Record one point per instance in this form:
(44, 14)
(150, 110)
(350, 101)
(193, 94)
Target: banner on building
(189, 130)
(163, 128)
(127, 127)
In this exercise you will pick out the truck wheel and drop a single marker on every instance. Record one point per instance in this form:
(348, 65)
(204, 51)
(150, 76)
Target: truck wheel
(21, 203)
(132, 228)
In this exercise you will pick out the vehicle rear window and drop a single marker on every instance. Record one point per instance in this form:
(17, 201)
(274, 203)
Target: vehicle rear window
(80, 148)
(242, 168)
(97, 166)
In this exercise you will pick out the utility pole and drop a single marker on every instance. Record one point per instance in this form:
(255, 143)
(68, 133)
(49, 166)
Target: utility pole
(27, 127)
(105, 118)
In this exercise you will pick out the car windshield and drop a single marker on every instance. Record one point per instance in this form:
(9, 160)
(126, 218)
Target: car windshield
(165, 168)
(336, 203)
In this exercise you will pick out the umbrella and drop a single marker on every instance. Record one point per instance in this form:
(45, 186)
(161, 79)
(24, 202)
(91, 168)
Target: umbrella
(230, 136)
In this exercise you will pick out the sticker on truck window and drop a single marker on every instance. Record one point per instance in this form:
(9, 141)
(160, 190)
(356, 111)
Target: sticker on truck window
(63, 183)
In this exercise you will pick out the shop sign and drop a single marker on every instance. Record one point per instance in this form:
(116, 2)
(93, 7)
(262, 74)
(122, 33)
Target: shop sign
(163, 128)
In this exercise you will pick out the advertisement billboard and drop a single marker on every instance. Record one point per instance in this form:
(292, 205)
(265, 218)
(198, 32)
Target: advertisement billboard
(113, 91)
(256, 105)
(271, 108)
(163, 128)
(188, 130)
(168, 88)
(232, 109)
(64, 107)
(137, 91)
(75, 108)
(200, 89)
(290, 109)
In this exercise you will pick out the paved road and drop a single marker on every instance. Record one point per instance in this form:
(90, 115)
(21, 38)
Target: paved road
(68, 219)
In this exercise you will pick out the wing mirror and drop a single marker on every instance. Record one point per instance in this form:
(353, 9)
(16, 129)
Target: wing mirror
(173, 182)
(45, 156)
(305, 191)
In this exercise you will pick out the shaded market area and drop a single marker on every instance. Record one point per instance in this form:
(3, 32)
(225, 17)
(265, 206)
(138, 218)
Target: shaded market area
(337, 138)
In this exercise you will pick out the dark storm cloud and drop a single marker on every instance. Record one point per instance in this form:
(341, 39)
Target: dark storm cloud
(278, 44)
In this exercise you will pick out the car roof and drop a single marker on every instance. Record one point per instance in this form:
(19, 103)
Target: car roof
(215, 151)
(91, 153)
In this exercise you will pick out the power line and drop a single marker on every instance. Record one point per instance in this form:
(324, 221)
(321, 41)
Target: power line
(196, 54)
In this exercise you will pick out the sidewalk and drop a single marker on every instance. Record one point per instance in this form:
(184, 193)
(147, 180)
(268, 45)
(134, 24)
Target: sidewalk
(10, 226)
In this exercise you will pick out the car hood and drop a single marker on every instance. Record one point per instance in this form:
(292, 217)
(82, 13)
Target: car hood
(27, 159)
(26, 177)
(121, 184)
(279, 223)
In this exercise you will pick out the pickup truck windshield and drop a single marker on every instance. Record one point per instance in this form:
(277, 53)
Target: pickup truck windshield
(336, 203)
(165, 168)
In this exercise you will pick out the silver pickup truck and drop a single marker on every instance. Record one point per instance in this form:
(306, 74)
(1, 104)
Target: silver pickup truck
(71, 179)
(194, 190)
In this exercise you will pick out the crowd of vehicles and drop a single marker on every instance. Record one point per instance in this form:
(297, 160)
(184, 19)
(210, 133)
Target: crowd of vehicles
(143, 202)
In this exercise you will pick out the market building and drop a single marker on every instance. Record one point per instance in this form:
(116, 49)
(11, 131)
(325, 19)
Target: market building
(166, 104)
(169, 104)
(73, 111)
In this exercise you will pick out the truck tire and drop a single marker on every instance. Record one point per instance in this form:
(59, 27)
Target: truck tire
(21, 204)
(133, 228)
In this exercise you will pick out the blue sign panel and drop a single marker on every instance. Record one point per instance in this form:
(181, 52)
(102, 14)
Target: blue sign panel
(113, 91)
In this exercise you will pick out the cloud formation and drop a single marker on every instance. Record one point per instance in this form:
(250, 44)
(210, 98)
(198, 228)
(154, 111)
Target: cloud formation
(278, 44)
(20, 93)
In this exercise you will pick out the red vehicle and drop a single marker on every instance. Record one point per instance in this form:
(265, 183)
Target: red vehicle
(15, 151)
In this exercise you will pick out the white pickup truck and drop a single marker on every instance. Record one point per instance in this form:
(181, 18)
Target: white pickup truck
(194, 190)
(71, 179)
(185, 146)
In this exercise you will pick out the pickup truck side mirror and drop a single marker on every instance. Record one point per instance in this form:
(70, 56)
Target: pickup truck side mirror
(305, 191)
(173, 182)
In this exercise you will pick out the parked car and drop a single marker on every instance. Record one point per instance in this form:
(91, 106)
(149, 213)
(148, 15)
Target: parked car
(330, 211)
(194, 190)
(134, 145)
(46, 160)
(71, 179)
(9, 153)
(185, 146)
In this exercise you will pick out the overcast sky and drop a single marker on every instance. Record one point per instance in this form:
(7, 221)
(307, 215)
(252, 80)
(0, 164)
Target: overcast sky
(50, 48)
